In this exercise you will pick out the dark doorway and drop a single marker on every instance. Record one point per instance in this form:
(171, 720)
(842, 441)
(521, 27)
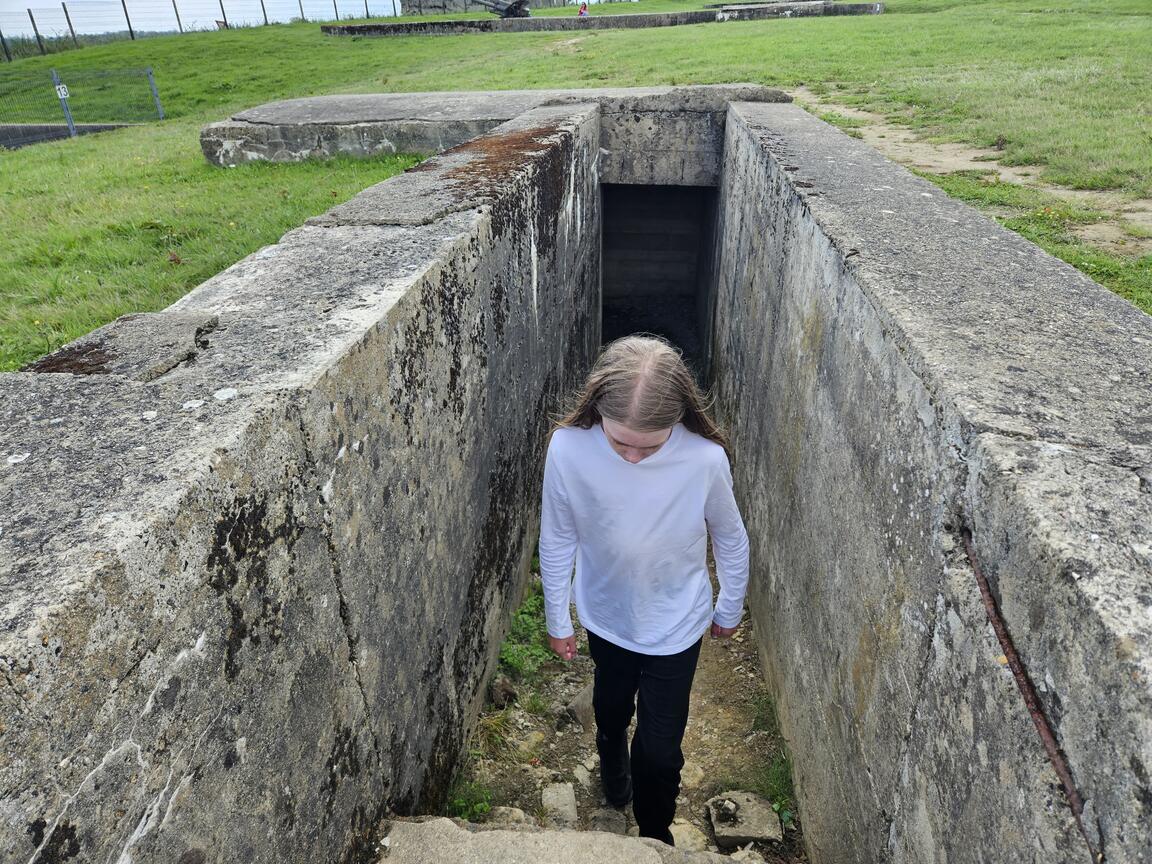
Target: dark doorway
(657, 254)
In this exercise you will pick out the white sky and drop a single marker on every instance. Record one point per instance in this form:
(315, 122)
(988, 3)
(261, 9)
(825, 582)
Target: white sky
(102, 16)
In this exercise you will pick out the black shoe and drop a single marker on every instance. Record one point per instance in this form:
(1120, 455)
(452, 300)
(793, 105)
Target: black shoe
(666, 837)
(620, 795)
(615, 779)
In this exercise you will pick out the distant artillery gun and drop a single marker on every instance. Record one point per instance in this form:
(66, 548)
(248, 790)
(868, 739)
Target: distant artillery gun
(505, 9)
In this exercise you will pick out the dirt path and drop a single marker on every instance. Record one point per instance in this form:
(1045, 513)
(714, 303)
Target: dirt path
(729, 745)
(1124, 214)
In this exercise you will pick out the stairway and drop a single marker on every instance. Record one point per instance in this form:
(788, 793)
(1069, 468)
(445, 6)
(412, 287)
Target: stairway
(438, 840)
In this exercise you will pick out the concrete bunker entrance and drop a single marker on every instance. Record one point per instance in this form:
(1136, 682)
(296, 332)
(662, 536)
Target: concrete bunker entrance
(657, 252)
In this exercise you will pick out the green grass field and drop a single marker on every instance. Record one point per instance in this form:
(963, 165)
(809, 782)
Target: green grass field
(127, 221)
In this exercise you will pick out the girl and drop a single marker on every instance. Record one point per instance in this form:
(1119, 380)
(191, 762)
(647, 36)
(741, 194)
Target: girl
(635, 479)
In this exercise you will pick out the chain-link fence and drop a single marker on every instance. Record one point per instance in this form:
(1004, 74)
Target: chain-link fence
(76, 23)
(44, 106)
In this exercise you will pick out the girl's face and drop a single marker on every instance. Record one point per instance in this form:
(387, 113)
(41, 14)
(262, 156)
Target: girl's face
(633, 446)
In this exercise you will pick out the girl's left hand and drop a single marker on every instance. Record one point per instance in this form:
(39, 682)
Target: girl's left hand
(719, 632)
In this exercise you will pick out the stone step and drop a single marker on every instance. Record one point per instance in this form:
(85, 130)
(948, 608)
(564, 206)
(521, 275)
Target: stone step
(444, 841)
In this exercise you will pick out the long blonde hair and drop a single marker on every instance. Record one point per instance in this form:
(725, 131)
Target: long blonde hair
(642, 382)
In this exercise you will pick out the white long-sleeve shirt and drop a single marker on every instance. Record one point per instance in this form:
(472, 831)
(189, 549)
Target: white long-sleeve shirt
(638, 535)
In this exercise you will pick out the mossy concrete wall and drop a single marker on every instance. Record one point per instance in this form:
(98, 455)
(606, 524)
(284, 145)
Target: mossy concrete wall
(258, 550)
(896, 369)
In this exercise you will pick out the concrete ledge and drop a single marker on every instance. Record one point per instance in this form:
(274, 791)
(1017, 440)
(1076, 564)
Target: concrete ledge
(366, 125)
(435, 840)
(750, 12)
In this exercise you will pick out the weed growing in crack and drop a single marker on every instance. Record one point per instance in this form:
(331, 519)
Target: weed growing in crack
(469, 799)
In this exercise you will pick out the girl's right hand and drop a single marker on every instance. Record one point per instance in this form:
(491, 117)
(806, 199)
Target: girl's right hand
(565, 648)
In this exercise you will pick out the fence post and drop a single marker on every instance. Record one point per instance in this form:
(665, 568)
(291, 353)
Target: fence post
(71, 29)
(179, 23)
(224, 14)
(36, 30)
(394, 12)
(366, 15)
(301, 2)
(131, 32)
(265, 12)
(336, 10)
(62, 95)
(4, 47)
(155, 92)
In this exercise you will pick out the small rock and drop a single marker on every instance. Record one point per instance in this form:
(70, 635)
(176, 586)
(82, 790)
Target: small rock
(149, 415)
(560, 711)
(501, 693)
(583, 776)
(224, 394)
(748, 856)
(691, 776)
(580, 708)
(193, 404)
(741, 817)
(509, 816)
(633, 831)
(559, 800)
(727, 810)
(17, 458)
(591, 762)
(609, 820)
(688, 837)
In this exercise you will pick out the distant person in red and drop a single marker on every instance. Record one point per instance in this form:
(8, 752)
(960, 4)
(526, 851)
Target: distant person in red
(583, 13)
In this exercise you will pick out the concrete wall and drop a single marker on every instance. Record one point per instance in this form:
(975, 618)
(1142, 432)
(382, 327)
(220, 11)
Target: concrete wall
(650, 135)
(735, 12)
(440, 7)
(258, 550)
(896, 368)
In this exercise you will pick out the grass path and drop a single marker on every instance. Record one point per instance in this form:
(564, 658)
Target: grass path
(129, 220)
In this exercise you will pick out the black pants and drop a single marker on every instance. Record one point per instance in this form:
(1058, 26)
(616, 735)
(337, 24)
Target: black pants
(664, 683)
